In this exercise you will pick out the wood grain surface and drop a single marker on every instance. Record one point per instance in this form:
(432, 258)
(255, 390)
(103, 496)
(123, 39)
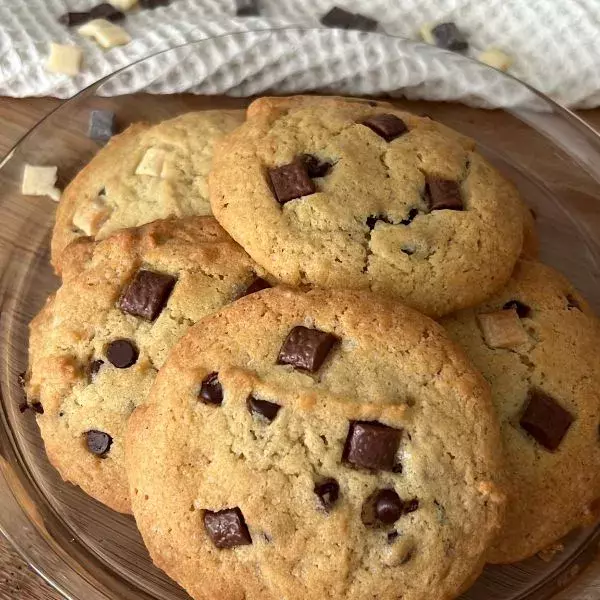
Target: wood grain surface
(17, 580)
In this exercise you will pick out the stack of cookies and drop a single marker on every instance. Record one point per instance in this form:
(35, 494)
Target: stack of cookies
(266, 389)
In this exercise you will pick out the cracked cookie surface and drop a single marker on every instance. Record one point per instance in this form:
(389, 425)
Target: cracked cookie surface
(95, 347)
(537, 343)
(314, 445)
(344, 194)
(146, 173)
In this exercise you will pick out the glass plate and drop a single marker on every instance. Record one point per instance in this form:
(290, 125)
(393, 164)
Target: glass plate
(83, 549)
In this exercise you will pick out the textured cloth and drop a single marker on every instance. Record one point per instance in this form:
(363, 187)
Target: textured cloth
(554, 45)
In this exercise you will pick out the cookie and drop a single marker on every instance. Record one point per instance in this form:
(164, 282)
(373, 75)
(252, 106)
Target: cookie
(321, 444)
(96, 346)
(146, 173)
(538, 344)
(344, 194)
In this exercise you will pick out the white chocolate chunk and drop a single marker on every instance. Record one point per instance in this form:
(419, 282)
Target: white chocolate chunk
(427, 33)
(107, 34)
(496, 58)
(40, 181)
(502, 329)
(123, 4)
(152, 163)
(64, 59)
(90, 217)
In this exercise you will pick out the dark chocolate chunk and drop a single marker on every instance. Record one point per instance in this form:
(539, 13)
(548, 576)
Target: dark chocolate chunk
(147, 294)
(572, 302)
(72, 19)
(227, 528)
(363, 23)
(412, 213)
(106, 11)
(522, 309)
(442, 194)
(449, 36)
(372, 445)
(101, 128)
(545, 420)
(306, 348)
(265, 409)
(122, 353)
(98, 442)
(154, 3)
(211, 391)
(314, 166)
(338, 17)
(328, 492)
(247, 8)
(291, 181)
(388, 506)
(95, 367)
(256, 286)
(386, 125)
(374, 218)
(37, 407)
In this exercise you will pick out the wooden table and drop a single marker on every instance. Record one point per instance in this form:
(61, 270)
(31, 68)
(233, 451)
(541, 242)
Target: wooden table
(17, 581)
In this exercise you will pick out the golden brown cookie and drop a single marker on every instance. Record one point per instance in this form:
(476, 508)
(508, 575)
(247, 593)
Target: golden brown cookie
(316, 445)
(96, 346)
(538, 344)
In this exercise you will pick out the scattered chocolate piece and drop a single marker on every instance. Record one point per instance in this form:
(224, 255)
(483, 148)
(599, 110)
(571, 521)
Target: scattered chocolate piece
(372, 445)
(247, 8)
(449, 36)
(343, 19)
(95, 367)
(265, 409)
(227, 528)
(291, 181)
(106, 11)
(147, 294)
(412, 213)
(545, 420)
(572, 302)
(154, 3)
(314, 166)
(211, 391)
(98, 442)
(386, 125)
(72, 19)
(306, 348)
(442, 194)
(122, 353)
(256, 286)
(523, 310)
(102, 125)
(328, 492)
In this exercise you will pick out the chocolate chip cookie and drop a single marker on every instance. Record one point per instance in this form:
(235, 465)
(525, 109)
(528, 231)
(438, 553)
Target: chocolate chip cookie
(344, 194)
(321, 444)
(146, 173)
(538, 344)
(96, 346)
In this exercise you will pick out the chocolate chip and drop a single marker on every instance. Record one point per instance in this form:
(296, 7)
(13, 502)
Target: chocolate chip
(291, 181)
(522, 309)
(314, 166)
(363, 23)
(101, 128)
(392, 536)
(265, 409)
(328, 492)
(122, 353)
(372, 445)
(374, 218)
(95, 367)
(343, 19)
(37, 408)
(98, 442)
(72, 19)
(388, 506)
(256, 286)
(545, 420)
(106, 11)
(227, 528)
(147, 294)
(442, 194)
(211, 391)
(412, 213)
(306, 348)
(447, 35)
(247, 8)
(388, 126)
(572, 302)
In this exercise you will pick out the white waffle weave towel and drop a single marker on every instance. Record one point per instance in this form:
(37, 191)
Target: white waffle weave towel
(555, 45)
